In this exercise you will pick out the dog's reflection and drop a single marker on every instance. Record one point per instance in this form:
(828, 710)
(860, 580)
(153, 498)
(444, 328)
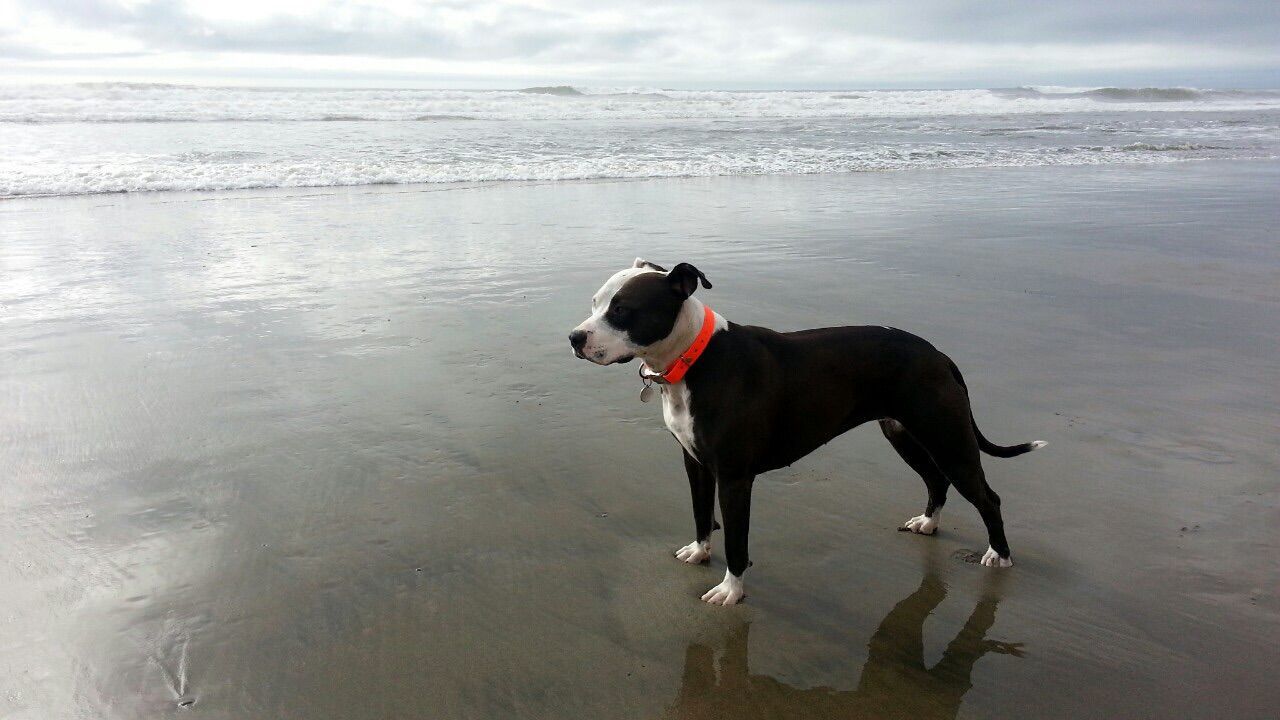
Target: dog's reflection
(894, 683)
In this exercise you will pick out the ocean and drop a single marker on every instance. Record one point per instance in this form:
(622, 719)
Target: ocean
(325, 452)
(124, 137)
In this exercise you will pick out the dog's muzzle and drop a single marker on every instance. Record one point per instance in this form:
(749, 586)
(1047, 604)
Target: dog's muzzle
(577, 340)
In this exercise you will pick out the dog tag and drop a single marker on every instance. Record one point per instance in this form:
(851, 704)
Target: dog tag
(646, 394)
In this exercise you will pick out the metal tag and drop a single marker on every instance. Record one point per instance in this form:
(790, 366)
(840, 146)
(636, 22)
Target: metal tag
(646, 394)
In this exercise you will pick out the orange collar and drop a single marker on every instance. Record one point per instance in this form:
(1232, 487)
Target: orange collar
(678, 367)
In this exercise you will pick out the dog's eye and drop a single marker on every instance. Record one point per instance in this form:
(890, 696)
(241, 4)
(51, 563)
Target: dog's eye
(619, 312)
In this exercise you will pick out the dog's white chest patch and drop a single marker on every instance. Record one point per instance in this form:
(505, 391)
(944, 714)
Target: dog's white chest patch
(675, 412)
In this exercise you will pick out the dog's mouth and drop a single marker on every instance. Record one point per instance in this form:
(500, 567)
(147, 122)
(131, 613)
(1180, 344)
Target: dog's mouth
(617, 361)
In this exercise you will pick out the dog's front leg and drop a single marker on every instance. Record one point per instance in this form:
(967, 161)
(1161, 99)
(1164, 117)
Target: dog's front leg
(702, 486)
(735, 509)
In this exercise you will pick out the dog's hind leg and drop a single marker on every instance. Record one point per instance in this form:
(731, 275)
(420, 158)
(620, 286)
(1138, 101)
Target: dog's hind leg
(702, 487)
(918, 458)
(947, 434)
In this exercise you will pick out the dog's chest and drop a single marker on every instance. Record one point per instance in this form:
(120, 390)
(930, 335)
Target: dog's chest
(677, 415)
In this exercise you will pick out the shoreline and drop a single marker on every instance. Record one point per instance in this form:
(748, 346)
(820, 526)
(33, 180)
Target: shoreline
(319, 190)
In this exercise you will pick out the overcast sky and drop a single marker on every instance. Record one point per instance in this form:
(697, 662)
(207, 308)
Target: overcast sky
(707, 43)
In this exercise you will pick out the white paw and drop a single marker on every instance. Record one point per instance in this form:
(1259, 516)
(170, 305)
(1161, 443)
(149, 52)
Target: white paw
(695, 552)
(923, 524)
(728, 592)
(992, 559)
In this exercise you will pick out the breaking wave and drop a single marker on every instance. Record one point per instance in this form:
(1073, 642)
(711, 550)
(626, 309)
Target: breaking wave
(59, 140)
(1138, 95)
(561, 90)
(132, 102)
(232, 171)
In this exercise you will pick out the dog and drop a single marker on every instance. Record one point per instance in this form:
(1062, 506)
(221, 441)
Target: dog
(744, 400)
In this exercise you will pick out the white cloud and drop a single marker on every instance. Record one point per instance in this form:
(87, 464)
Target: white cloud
(486, 42)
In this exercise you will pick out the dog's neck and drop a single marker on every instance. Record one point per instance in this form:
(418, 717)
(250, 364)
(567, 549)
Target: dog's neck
(661, 354)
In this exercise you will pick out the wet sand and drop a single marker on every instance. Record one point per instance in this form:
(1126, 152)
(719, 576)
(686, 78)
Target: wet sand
(325, 454)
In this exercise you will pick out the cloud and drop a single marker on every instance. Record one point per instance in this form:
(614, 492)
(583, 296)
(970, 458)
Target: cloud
(749, 41)
(1076, 21)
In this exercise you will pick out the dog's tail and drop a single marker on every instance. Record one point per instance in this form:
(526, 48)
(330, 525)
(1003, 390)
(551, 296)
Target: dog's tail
(1003, 451)
(988, 447)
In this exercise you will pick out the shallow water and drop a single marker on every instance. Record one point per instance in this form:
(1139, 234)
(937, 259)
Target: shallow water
(121, 137)
(326, 453)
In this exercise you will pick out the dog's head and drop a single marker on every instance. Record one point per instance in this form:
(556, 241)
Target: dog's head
(633, 310)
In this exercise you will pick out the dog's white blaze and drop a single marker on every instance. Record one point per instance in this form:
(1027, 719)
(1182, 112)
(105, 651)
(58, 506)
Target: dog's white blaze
(728, 592)
(604, 343)
(676, 414)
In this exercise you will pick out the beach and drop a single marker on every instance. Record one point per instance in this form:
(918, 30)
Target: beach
(326, 453)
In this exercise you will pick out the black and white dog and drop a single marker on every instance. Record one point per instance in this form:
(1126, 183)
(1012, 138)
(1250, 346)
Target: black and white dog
(744, 400)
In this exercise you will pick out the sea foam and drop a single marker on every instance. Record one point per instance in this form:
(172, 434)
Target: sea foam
(96, 138)
(128, 102)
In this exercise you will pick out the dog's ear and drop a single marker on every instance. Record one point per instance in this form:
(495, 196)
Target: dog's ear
(642, 263)
(684, 279)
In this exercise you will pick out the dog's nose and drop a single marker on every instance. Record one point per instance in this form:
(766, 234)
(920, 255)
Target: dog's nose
(577, 339)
